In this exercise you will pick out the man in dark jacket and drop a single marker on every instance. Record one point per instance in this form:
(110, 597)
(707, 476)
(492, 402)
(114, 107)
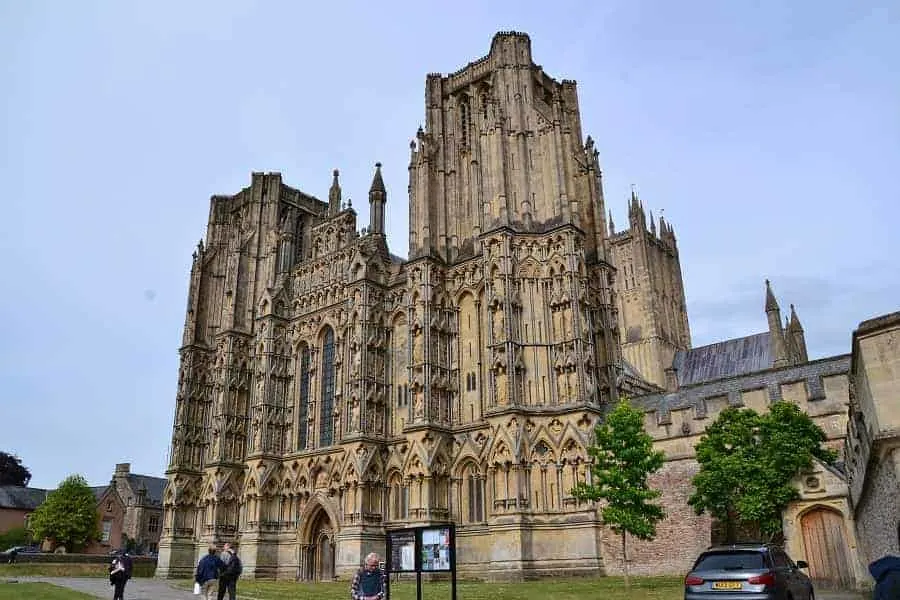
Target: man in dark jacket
(368, 583)
(886, 573)
(231, 570)
(128, 563)
(207, 572)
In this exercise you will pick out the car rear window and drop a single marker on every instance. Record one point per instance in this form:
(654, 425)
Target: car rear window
(730, 561)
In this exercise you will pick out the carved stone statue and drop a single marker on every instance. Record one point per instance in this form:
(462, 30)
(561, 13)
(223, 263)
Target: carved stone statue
(419, 404)
(418, 344)
(501, 389)
(497, 320)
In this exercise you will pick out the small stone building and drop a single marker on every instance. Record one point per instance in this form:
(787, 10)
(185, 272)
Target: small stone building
(131, 505)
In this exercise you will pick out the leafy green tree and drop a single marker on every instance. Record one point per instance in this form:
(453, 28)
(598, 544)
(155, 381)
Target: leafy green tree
(12, 471)
(68, 517)
(623, 459)
(747, 461)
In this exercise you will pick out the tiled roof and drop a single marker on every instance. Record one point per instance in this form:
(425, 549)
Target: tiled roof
(730, 358)
(99, 490)
(21, 498)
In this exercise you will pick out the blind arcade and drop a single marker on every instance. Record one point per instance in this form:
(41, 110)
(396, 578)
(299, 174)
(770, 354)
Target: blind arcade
(425, 549)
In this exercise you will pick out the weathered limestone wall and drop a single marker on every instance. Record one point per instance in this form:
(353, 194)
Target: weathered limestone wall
(878, 513)
(515, 551)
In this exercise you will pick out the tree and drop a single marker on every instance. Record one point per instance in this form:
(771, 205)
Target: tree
(747, 461)
(68, 517)
(12, 472)
(623, 459)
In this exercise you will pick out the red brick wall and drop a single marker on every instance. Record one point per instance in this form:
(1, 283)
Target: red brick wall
(10, 518)
(680, 537)
(109, 507)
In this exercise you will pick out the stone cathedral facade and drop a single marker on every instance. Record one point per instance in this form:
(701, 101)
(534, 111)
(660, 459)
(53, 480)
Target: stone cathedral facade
(329, 390)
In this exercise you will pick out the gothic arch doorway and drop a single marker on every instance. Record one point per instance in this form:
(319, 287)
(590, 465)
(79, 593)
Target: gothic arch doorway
(317, 551)
(826, 548)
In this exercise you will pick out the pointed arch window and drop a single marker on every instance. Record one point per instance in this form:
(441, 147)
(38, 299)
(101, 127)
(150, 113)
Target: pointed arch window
(475, 496)
(326, 420)
(303, 425)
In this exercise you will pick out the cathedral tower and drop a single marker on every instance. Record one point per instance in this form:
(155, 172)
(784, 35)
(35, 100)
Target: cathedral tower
(653, 320)
(501, 148)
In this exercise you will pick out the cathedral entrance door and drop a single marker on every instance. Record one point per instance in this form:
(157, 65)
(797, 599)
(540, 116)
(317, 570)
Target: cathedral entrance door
(318, 549)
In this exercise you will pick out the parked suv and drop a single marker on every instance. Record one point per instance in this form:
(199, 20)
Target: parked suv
(747, 572)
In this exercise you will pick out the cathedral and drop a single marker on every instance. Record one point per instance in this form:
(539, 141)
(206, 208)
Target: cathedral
(329, 391)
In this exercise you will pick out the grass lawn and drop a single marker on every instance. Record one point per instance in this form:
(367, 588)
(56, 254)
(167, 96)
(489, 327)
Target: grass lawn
(607, 588)
(39, 591)
(53, 570)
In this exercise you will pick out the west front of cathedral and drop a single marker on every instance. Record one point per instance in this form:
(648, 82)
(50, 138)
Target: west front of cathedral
(329, 391)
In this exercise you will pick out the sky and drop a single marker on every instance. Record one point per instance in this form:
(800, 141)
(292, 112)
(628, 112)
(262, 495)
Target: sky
(768, 132)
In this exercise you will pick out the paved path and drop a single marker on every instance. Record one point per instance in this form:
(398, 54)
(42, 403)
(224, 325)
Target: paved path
(158, 589)
(137, 589)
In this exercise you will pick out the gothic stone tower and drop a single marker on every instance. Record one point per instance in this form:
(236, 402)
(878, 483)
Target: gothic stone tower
(653, 321)
(329, 391)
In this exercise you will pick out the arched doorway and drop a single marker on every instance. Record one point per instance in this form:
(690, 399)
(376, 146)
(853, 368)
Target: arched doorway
(826, 548)
(317, 548)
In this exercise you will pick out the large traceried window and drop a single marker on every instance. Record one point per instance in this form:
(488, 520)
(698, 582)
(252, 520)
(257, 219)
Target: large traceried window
(326, 419)
(303, 425)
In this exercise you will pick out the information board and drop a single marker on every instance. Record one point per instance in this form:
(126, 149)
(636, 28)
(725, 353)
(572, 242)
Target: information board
(422, 549)
(403, 551)
(436, 549)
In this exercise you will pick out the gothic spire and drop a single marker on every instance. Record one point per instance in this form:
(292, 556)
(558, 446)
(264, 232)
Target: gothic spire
(334, 195)
(377, 198)
(377, 181)
(795, 321)
(771, 302)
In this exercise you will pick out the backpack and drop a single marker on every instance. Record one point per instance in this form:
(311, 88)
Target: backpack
(234, 568)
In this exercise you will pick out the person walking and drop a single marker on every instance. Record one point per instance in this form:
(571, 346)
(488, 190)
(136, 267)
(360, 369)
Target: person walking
(886, 573)
(207, 573)
(230, 572)
(117, 578)
(368, 583)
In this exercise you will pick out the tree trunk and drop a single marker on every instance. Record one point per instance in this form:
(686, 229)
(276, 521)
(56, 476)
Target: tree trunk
(731, 527)
(625, 560)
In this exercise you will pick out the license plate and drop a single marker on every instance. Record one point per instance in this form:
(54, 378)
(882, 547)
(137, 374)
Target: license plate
(726, 585)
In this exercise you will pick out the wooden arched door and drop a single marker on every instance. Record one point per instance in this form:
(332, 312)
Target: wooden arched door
(317, 549)
(826, 548)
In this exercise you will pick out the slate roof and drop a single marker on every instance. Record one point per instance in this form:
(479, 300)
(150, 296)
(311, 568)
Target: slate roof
(99, 490)
(21, 498)
(155, 487)
(731, 358)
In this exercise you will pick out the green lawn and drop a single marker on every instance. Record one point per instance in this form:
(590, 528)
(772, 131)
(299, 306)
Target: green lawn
(53, 570)
(607, 588)
(38, 591)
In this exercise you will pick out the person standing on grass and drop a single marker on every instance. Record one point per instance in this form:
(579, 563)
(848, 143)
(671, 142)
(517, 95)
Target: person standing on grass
(231, 570)
(117, 578)
(207, 572)
(368, 583)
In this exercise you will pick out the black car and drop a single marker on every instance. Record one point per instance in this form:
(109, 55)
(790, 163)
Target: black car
(9, 555)
(747, 572)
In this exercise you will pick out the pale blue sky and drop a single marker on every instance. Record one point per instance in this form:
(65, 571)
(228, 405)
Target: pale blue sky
(768, 131)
